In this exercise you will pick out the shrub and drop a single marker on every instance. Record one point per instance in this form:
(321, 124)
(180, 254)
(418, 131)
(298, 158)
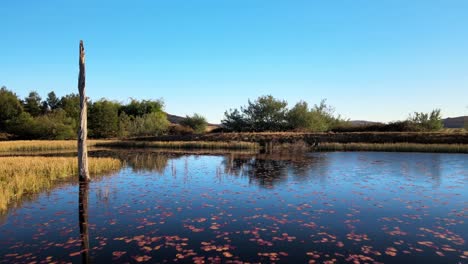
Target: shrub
(197, 122)
(179, 130)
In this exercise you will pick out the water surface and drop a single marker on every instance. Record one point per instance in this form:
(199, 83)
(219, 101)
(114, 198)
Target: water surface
(317, 207)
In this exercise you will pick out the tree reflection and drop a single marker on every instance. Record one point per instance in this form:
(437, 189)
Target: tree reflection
(83, 220)
(267, 170)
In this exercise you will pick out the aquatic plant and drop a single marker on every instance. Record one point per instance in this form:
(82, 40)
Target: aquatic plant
(41, 145)
(20, 176)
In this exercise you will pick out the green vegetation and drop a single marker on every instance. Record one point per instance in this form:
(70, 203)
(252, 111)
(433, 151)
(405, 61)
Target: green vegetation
(270, 114)
(427, 121)
(394, 147)
(21, 176)
(196, 122)
(56, 118)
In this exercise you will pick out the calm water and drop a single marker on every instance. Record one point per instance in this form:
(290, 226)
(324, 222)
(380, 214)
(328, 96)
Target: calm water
(318, 207)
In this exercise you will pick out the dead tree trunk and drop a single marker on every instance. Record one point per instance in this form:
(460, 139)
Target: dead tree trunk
(83, 129)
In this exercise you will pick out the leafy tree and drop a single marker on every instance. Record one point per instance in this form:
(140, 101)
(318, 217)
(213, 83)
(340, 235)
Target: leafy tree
(52, 101)
(10, 107)
(300, 117)
(152, 124)
(234, 120)
(70, 103)
(54, 125)
(32, 104)
(103, 119)
(427, 121)
(266, 114)
(197, 122)
(125, 123)
(140, 108)
(22, 125)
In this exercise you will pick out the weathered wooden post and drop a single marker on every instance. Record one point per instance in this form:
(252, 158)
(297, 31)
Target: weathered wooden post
(83, 129)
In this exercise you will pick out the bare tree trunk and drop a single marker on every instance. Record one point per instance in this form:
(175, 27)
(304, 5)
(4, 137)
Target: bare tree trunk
(83, 129)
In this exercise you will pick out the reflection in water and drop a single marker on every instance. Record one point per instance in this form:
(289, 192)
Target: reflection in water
(266, 170)
(350, 204)
(83, 220)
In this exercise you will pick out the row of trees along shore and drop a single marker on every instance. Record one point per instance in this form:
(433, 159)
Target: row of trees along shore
(57, 118)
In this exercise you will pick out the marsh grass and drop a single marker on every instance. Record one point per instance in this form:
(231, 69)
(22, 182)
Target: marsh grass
(394, 147)
(234, 145)
(20, 176)
(42, 145)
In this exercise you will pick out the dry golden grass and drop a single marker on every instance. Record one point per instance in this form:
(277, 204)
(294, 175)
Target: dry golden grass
(236, 145)
(42, 145)
(20, 176)
(394, 147)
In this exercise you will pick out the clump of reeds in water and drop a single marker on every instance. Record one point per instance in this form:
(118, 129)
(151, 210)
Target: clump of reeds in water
(181, 144)
(394, 147)
(20, 176)
(41, 145)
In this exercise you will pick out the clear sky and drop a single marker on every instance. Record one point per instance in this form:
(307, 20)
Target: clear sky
(372, 60)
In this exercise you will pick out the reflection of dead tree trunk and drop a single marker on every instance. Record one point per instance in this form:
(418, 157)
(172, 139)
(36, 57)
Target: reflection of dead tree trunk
(83, 220)
(83, 129)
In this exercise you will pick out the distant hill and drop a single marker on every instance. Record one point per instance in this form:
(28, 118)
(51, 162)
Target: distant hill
(455, 122)
(451, 122)
(175, 119)
(363, 123)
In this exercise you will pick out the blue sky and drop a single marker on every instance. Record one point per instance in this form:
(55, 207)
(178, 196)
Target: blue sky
(372, 60)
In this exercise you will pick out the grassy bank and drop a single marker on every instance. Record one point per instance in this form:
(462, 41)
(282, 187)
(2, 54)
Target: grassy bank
(20, 176)
(42, 145)
(394, 147)
(234, 145)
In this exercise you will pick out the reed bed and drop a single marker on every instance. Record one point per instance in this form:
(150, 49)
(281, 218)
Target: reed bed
(42, 145)
(20, 176)
(234, 145)
(394, 147)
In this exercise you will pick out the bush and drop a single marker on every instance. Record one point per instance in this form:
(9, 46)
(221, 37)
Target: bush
(179, 130)
(427, 121)
(197, 122)
(152, 124)
(103, 119)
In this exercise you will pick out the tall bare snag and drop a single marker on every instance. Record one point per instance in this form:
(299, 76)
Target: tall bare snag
(83, 129)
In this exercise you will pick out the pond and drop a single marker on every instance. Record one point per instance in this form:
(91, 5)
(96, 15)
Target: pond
(336, 207)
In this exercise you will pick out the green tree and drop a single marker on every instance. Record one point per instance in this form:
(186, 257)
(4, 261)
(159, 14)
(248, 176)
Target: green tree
(234, 120)
(32, 104)
(52, 101)
(103, 119)
(10, 107)
(70, 103)
(266, 114)
(300, 117)
(22, 126)
(125, 124)
(140, 108)
(427, 121)
(197, 122)
(152, 124)
(54, 125)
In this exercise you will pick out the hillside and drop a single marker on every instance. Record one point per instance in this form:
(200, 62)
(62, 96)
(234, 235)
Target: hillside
(451, 122)
(455, 122)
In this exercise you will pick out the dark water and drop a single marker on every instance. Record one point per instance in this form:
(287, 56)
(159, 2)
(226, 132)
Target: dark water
(317, 208)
